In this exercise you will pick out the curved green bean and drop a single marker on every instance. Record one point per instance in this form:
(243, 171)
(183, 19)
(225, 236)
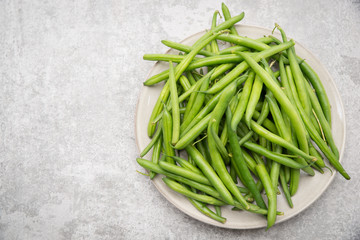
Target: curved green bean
(184, 191)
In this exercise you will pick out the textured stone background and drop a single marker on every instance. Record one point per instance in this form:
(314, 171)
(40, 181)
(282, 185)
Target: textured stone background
(71, 72)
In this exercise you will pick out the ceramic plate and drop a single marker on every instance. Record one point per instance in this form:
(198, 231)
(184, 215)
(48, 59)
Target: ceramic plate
(310, 188)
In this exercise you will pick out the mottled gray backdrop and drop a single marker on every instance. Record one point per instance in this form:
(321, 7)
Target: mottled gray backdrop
(71, 73)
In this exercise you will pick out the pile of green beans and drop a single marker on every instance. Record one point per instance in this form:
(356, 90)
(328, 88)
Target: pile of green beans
(246, 130)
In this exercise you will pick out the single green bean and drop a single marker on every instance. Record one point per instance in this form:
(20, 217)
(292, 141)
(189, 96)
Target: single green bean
(153, 140)
(175, 105)
(275, 157)
(185, 48)
(270, 193)
(185, 83)
(220, 147)
(319, 162)
(167, 134)
(184, 191)
(253, 99)
(156, 155)
(206, 211)
(278, 119)
(233, 173)
(285, 187)
(278, 140)
(213, 44)
(172, 168)
(243, 41)
(186, 164)
(227, 16)
(275, 169)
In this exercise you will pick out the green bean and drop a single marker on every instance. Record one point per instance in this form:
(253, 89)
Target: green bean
(156, 155)
(233, 173)
(319, 162)
(232, 50)
(181, 67)
(175, 105)
(237, 48)
(275, 157)
(260, 119)
(234, 101)
(285, 187)
(278, 140)
(153, 140)
(197, 104)
(185, 83)
(184, 191)
(294, 181)
(195, 128)
(259, 187)
(283, 101)
(190, 102)
(315, 81)
(183, 96)
(191, 77)
(204, 188)
(315, 136)
(172, 168)
(267, 123)
(250, 162)
(278, 119)
(210, 174)
(194, 132)
(240, 68)
(240, 108)
(255, 209)
(270, 193)
(167, 134)
(287, 174)
(253, 99)
(217, 161)
(186, 164)
(297, 74)
(206, 211)
(320, 91)
(227, 16)
(220, 147)
(203, 150)
(315, 122)
(243, 190)
(275, 169)
(213, 44)
(164, 57)
(239, 162)
(228, 62)
(243, 41)
(157, 169)
(185, 48)
(324, 124)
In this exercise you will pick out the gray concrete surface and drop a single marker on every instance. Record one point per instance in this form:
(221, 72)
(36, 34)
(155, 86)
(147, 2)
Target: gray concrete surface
(71, 72)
